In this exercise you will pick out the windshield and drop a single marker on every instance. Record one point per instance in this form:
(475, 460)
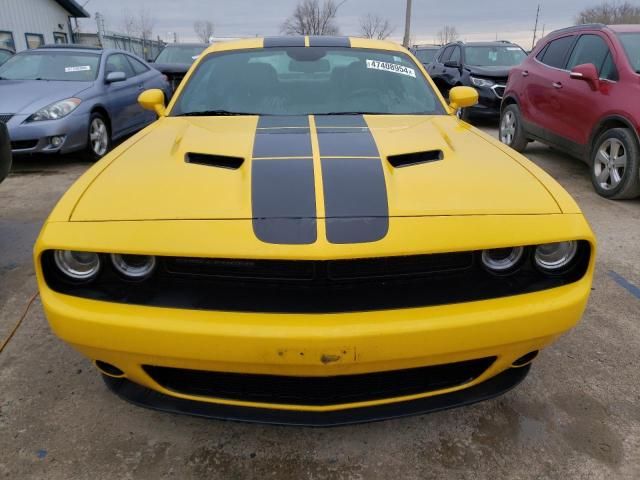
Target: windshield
(4, 56)
(494, 56)
(43, 65)
(427, 55)
(631, 44)
(184, 54)
(303, 81)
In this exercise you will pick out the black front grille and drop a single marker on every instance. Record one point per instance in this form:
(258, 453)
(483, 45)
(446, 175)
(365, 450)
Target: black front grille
(24, 144)
(318, 391)
(301, 286)
(5, 117)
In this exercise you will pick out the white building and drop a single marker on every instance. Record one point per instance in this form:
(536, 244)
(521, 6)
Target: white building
(31, 23)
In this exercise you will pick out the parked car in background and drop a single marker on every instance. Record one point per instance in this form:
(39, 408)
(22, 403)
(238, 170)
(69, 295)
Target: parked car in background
(425, 53)
(5, 152)
(5, 54)
(68, 98)
(484, 66)
(579, 92)
(175, 60)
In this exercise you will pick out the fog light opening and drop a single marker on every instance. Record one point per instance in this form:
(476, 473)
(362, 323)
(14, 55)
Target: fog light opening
(525, 360)
(108, 369)
(56, 141)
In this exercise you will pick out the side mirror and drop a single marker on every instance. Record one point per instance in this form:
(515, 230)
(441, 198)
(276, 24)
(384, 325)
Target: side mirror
(588, 73)
(452, 64)
(462, 97)
(113, 77)
(153, 100)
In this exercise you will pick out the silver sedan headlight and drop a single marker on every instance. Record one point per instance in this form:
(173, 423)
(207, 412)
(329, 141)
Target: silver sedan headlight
(56, 110)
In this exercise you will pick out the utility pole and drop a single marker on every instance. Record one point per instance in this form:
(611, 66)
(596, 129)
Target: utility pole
(535, 29)
(407, 25)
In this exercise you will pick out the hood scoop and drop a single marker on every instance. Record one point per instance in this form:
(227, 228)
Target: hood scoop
(219, 161)
(416, 158)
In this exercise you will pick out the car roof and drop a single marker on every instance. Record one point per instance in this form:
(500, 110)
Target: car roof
(323, 42)
(624, 28)
(83, 49)
(499, 43)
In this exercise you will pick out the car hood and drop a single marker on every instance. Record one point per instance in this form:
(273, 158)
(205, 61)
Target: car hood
(28, 96)
(465, 173)
(171, 67)
(490, 72)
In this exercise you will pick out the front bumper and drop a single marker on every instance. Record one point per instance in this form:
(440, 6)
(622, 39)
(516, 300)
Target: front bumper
(489, 100)
(34, 137)
(131, 337)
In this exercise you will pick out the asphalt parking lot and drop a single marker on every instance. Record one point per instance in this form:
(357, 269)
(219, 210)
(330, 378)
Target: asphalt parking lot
(577, 415)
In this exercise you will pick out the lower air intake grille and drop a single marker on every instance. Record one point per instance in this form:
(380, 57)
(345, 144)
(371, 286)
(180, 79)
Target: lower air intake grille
(318, 391)
(5, 117)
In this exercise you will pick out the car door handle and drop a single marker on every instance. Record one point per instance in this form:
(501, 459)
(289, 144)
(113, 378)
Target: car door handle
(525, 73)
(557, 85)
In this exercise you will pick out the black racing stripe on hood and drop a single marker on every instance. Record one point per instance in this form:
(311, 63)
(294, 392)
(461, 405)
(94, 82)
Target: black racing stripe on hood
(327, 41)
(283, 201)
(355, 197)
(282, 137)
(355, 191)
(283, 198)
(274, 42)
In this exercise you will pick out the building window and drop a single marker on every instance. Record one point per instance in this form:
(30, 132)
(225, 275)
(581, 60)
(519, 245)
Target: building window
(34, 40)
(59, 37)
(6, 40)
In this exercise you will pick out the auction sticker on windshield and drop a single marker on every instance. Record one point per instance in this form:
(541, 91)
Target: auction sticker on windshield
(391, 67)
(82, 68)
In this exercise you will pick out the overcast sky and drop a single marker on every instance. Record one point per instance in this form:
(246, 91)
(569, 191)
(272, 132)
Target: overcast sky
(475, 20)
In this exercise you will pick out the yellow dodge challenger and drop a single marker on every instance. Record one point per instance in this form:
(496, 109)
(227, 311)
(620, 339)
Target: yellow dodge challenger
(308, 235)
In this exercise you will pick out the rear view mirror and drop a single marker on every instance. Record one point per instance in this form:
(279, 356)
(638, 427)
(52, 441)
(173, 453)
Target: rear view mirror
(588, 73)
(113, 77)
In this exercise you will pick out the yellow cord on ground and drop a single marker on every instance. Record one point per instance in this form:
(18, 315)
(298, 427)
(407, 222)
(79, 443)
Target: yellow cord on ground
(18, 323)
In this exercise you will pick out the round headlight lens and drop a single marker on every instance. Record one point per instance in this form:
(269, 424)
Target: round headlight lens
(502, 260)
(135, 267)
(555, 256)
(82, 266)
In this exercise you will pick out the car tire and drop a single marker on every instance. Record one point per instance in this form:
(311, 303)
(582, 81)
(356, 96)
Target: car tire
(463, 114)
(615, 161)
(98, 138)
(511, 131)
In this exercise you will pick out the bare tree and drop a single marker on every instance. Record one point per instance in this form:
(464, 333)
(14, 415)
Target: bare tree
(204, 30)
(145, 23)
(448, 34)
(373, 26)
(313, 18)
(610, 13)
(128, 24)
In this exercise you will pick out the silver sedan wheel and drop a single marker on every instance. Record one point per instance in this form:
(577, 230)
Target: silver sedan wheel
(508, 128)
(610, 163)
(98, 137)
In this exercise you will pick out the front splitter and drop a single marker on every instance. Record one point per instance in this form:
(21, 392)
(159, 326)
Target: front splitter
(145, 397)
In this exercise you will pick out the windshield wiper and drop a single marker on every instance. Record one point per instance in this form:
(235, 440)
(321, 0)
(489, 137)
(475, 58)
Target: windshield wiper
(214, 113)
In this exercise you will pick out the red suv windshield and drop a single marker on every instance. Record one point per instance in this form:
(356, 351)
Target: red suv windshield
(631, 43)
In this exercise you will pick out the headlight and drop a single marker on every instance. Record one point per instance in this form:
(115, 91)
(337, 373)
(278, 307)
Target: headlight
(553, 257)
(481, 82)
(83, 266)
(55, 110)
(502, 260)
(134, 267)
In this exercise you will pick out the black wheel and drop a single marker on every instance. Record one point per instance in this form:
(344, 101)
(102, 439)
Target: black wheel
(99, 138)
(614, 164)
(511, 131)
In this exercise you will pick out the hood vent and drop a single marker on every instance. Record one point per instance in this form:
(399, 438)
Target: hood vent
(220, 161)
(409, 159)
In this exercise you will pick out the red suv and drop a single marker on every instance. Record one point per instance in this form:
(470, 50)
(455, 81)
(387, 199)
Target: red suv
(579, 91)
